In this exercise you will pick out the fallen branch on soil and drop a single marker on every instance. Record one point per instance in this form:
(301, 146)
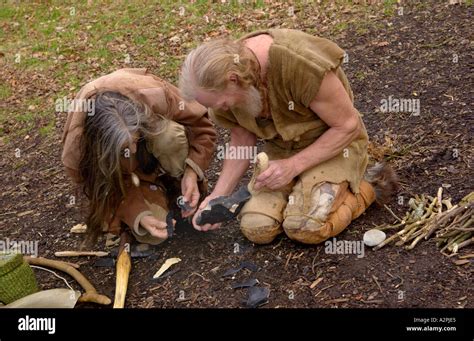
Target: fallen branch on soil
(452, 226)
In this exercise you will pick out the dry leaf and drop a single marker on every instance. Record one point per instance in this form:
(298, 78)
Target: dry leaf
(382, 43)
(79, 228)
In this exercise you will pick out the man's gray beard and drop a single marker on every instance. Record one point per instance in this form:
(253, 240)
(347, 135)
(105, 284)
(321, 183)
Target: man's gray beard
(252, 103)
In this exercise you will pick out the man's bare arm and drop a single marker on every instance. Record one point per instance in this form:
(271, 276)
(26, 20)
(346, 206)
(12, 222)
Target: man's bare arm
(333, 105)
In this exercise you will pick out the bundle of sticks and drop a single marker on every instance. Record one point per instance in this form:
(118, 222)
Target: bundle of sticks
(452, 225)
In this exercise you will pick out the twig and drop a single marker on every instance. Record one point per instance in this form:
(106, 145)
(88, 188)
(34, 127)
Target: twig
(413, 244)
(447, 203)
(199, 275)
(463, 229)
(372, 301)
(288, 260)
(440, 200)
(463, 244)
(377, 282)
(388, 227)
(314, 259)
(320, 291)
(393, 214)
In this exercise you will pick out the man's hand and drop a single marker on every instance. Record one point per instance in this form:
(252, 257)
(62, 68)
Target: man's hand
(206, 227)
(232, 172)
(278, 174)
(190, 191)
(154, 226)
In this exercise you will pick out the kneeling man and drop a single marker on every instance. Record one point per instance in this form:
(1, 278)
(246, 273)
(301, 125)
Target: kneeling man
(287, 88)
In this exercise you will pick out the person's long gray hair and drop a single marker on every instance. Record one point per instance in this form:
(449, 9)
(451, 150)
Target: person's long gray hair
(114, 122)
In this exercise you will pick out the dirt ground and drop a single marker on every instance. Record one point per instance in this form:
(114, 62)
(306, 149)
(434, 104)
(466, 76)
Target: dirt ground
(406, 56)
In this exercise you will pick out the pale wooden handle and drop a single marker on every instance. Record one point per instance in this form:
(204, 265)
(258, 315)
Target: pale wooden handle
(124, 265)
(80, 253)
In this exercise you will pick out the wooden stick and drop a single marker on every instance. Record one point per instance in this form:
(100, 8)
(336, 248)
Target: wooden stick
(90, 294)
(389, 240)
(458, 241)
(81, 253)
(413, 244)
(440, 200)
(393, 214)
(441, 220)
(123, 268)
(447, 203)
(464, 229)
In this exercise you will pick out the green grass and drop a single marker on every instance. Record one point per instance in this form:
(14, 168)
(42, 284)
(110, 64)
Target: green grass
(360, 75)
(7, 12)
(27, 117)
(390, 7)
(342, 26)
(5, 91)
(70, 48)
(48, 129)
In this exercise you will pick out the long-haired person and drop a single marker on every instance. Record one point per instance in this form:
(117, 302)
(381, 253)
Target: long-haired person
(134, 145)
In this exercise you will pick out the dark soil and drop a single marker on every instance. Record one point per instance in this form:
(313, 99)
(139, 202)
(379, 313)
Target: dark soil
(409, 56)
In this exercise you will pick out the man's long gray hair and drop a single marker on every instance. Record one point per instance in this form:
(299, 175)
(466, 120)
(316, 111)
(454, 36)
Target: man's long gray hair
(115, 121)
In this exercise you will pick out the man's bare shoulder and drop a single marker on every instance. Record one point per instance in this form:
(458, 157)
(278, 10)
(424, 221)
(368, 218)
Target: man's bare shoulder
(260, 42)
